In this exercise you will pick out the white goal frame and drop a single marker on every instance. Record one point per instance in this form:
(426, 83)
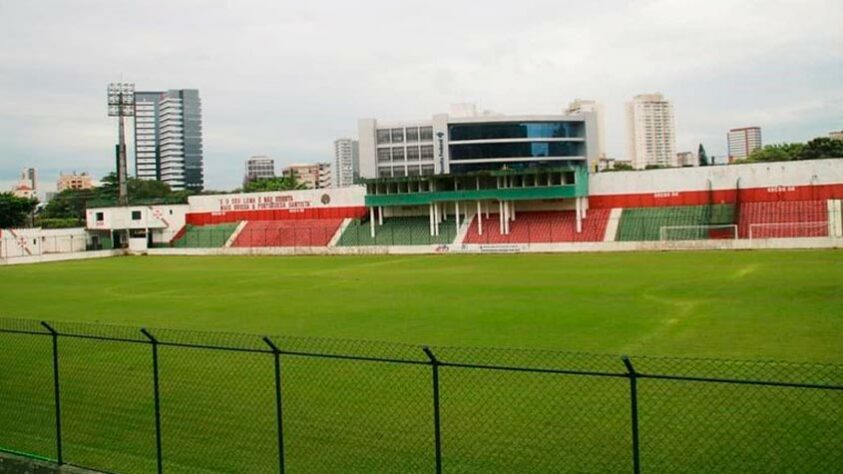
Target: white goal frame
(665, 229)
(786, 225)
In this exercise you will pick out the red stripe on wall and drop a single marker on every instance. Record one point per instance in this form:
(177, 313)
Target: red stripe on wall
(208, 218)
(718, 196)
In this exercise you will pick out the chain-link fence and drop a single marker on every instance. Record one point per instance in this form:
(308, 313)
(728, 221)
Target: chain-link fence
(129, 400)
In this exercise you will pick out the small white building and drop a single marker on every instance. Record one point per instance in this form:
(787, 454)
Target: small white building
(147, 226)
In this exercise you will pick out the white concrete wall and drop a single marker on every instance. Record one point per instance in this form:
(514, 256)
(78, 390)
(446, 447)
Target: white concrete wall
(20, 242)
(35, 241)
(741, 244)
(352, 196)
(59, 257)
(759, 175)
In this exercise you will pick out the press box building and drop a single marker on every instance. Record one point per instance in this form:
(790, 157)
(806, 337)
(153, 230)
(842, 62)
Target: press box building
(462, 164)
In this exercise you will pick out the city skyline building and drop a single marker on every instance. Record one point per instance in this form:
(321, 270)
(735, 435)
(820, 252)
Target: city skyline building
(259, 167)
(346, 165)
(73, 181)
(742, 142)
(651, 131)
(27, 185)
(312, 175)
(687, 159)
(168, 138)
(147, 161)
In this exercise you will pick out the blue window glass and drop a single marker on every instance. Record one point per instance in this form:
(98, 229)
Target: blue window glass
(492, 131)
(462, 168)
(516, 150)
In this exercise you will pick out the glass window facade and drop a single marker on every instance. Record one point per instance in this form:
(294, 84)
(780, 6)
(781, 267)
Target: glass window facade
(427, 152)
(397, 154)
(459, 168)
(492, 131)
(412, 134)
(516, 150)
(413, 153)
(426, 134)
(397, 135)
(383, 136)
(383, 155)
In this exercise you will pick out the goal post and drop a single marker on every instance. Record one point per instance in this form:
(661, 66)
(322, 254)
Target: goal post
(783, 230)
(698, 232)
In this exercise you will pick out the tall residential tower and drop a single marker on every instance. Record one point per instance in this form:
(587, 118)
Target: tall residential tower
(168, 138)
(346, 166)
(651, 136)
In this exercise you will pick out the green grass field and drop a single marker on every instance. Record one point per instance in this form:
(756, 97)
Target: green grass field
(218, 407)
(751, 305)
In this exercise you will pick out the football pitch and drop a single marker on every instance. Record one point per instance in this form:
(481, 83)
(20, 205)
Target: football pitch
(784, 305)
(218, 407)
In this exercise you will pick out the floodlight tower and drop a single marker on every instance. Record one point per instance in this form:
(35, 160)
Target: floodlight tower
(121, 103)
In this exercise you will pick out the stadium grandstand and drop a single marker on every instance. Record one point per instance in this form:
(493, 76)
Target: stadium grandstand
(558, 205)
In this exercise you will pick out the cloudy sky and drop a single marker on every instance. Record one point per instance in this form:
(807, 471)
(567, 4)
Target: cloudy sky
(286, 78)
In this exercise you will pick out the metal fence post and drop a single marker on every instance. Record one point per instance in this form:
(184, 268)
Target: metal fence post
(437, 424)
(56, 389)
(633, 398)
(279, 418)
(158, 452)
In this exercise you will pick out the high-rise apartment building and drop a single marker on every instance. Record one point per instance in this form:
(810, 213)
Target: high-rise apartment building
(259, 167)
(346, 165)
(580, 106)
(146, 135)
(168, 138)
(651, 135)
(743, 141)
(73, 181)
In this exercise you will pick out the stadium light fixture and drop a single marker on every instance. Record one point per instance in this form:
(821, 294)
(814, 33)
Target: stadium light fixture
(121, 103)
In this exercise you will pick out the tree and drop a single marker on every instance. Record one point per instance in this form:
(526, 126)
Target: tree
(703, 157)
(780, 152)
(286, 183)
(822, 147)
(15, 211)
(69, 204)
(622, 167)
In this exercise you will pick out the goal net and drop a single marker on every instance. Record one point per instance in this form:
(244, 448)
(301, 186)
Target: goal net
(783, 230)
(698, 232)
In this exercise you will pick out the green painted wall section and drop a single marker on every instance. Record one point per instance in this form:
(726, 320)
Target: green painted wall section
(578, 189)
